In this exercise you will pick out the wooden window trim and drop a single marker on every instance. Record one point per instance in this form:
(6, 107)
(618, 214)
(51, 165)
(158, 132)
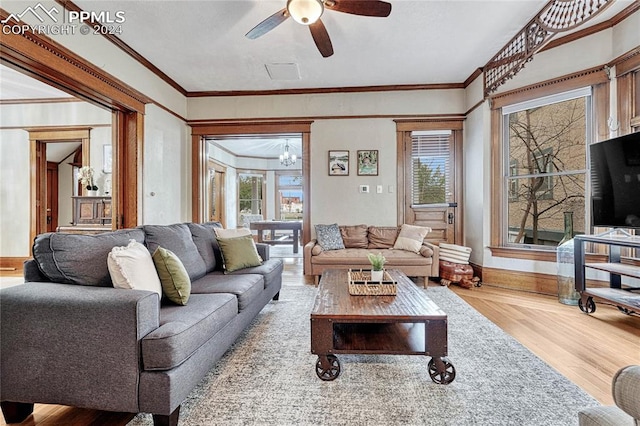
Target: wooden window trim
(596, 78)
(627, 77)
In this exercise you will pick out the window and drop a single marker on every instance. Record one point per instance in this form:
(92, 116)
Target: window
(430, 167)
(545, 142)
(250, 194)
(289, 193)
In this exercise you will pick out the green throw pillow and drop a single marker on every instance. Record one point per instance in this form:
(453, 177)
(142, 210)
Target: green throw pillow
(176, 284)
(239, 253)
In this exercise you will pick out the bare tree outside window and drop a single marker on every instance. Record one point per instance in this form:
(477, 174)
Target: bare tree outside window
(546, 174)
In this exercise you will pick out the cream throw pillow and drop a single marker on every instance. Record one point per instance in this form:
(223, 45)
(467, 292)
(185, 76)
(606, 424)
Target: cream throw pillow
(411, 237)
(131, 267)
(231, 233)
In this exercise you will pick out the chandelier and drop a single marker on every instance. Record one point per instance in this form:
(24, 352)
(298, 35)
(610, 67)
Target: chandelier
(287, 159)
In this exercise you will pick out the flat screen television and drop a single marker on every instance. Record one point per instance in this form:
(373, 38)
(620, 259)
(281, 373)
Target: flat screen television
(615, 182)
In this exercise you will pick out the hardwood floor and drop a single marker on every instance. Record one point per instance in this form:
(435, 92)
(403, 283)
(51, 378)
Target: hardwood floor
(587, 349)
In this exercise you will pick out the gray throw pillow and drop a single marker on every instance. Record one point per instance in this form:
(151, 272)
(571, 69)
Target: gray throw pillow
(329, 237)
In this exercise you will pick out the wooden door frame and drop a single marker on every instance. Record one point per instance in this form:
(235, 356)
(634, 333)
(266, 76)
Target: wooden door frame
(222, 170)
(453, 123)
(39, 137)
(199, 132)
(48, 61)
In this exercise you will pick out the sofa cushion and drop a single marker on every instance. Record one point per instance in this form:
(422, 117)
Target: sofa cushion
(270, 269)
(204, 238)
(354, 236)
(239, 253)
(174, 279)
(411, 238)
(246, 287)
(80, 259)
(329, 237)
(176, 238)
(183, 330)
(382, 236)
(131, 267)
(357, 258)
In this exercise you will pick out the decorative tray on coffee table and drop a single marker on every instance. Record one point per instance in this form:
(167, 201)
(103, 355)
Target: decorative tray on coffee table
(360, 284)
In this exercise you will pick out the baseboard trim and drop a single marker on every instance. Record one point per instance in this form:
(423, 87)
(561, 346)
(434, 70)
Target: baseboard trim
(526, 281)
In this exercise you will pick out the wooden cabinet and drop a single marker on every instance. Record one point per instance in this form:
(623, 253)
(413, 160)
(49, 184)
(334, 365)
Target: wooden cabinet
(625, 297)
(91, 211)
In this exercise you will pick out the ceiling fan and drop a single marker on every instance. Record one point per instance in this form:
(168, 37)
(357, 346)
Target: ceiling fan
(308, 12)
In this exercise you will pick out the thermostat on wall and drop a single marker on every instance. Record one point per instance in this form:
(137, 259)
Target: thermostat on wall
(364, 189)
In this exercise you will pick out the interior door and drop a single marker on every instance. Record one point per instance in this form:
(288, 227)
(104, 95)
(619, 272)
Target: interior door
(431, 184)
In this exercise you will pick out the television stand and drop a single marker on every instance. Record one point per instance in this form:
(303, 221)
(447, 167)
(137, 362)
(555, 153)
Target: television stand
(625, 297)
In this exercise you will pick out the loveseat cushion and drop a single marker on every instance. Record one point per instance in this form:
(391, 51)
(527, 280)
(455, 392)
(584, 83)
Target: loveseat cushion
(246, 287)
(204, 238)
(176, 238)
(358, 258)
(382, 236)
(185, 329)
(80, 259)
(354, 236)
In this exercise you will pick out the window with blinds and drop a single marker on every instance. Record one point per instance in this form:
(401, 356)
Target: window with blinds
(430, 167)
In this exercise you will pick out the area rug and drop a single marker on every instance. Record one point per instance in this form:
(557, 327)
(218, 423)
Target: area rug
(268, 378)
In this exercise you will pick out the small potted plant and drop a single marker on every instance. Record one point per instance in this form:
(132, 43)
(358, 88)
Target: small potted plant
(377, 266)
(85, 176)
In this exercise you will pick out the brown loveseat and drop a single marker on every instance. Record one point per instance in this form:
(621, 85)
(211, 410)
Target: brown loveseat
(359, 240)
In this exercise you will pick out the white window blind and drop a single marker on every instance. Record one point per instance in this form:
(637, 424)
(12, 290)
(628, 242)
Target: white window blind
(430, 167)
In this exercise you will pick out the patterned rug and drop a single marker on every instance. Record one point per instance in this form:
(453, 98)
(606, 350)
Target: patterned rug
(268, 378)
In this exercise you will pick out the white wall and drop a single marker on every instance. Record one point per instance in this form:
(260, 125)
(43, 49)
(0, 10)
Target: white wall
(14, 161)
(166, 171)
(336, 199)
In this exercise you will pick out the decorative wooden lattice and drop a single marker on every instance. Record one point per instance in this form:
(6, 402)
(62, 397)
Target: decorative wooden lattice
(556, 16)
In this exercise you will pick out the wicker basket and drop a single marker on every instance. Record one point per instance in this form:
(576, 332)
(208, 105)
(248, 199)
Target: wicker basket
(360, 284)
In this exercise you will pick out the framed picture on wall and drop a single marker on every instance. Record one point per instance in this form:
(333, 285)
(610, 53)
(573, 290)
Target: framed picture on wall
(368, 163)
(338, 163)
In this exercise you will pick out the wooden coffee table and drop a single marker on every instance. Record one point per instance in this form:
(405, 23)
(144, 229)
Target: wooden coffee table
(408, 323)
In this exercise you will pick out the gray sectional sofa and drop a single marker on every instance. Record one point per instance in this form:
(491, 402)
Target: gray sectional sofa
(70, 338)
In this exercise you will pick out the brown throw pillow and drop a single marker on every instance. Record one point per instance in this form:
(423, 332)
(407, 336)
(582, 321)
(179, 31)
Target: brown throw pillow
(382, 236)
(354, 236)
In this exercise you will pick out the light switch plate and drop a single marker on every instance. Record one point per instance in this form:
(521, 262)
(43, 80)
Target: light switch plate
(364, 189)
(379, 189)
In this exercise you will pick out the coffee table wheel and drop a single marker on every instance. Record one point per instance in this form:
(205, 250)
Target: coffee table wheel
(441, 371)
(332, 369)
(590, 306)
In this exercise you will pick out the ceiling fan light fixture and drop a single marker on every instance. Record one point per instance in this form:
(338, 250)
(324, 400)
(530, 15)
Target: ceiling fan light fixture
(305, 12)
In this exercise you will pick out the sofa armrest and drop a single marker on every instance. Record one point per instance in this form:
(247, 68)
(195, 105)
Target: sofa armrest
(626, 388)
(306, 254)
(74, 345)
(31, 272)
(435, 265)
(263, 250)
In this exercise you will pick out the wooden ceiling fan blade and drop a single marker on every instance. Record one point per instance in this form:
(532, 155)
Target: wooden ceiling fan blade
(268, 24)
(380, 9)
(321, 38)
